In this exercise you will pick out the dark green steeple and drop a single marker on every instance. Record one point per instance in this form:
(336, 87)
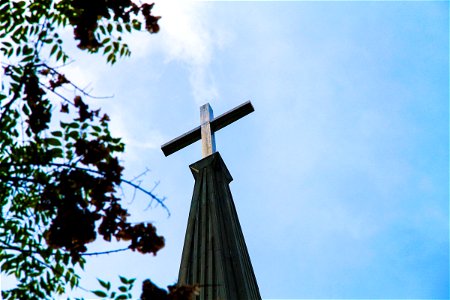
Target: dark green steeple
(214, 253)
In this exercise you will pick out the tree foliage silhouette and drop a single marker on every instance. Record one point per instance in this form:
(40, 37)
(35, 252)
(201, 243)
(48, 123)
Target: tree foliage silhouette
(59, 166)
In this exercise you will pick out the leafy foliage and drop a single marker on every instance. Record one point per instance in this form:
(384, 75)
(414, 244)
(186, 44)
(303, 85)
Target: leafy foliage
(149, 291)
(59, 170)
(123, 291)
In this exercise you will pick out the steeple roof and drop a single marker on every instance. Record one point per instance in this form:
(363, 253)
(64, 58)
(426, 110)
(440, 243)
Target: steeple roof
(215, 255)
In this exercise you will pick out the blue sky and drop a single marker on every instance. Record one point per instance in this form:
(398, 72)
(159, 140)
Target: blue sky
(341, 175)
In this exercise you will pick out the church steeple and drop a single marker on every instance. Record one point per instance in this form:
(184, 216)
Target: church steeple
(214, 255)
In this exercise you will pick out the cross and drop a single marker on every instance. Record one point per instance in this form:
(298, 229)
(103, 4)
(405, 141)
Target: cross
(206, 130)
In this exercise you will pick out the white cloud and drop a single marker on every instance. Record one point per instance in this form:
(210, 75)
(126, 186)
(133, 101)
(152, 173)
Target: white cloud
(186, 36)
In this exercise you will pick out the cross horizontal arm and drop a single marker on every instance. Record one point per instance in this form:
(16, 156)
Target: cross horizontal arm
(181, 141)
(216, 124)
(231, 116)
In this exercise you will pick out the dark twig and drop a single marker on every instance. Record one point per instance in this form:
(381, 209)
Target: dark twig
(160, 201)
(105, 252)
(142, 174)
(57, 94)
(76, 87)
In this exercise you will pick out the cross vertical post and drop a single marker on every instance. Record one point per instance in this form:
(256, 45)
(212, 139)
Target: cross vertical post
(208, 140)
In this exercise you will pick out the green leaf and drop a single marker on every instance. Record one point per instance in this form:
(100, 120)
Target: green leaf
(99, 293)
(123, 289)
(59, 55)
(81, 263)
(66, 258)
(123, 280)
(73, 282)
(54, 48)
(102, 29)
(56, 153)
(106, 285)
(26, 110)
(27, 50)
(57, 133)
(107, 49)
(136, 25)
(111, 58)
(74, 125)
(59, 269)
(73, 134)
(27, 58)
(53, 142)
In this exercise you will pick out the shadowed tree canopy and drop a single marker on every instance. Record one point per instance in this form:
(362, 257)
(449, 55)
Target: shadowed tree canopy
(59, 166)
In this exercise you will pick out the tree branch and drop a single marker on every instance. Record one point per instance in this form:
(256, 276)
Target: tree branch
(130, 183)
(75, 86)
(137, 187)
(105, 252)
(160, 201)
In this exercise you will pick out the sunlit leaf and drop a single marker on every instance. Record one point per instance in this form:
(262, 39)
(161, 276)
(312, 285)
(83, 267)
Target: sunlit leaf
(106, 285)
(99, 293)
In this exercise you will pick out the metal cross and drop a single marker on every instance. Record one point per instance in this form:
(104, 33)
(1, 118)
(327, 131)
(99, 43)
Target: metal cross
(206, 130)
